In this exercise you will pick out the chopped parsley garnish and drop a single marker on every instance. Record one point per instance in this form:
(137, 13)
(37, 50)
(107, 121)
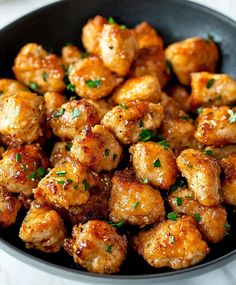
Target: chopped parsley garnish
(23, 166)
(189, 196)
(68, 146)
(145, 135)
(210, 83)
(40, 172)
(75, 113)
(59, 113)
(75, 186)
(122, 106)
(157, 163)
(109, 248)
(164, 143)
(140, 123)
(171, 239)
(232, 116)
(181, 182)
(18, 157)
(114, 156)
(190, 165)
(172, 216)
(69, 69)
(32, 176)
(61, 173)
(60, 181)
(184, 118)
(208, 152)
(70, 87)
(227, 226)
(122, 27)
(118, 225)
(106, 152)
(111, 21)
(136, 204)
(33, 86)
(179, 201)
(84, 55)
(145, 181)
(45, 76)
(209, 38)
(197, 217)
(168, 66)
(68, 181)
(86, 185)
(93, 83)
(199, 110)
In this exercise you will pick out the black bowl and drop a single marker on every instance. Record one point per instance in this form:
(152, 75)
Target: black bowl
(61, 22)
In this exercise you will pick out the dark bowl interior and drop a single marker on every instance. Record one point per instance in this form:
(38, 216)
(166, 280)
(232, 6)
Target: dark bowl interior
(61, 22)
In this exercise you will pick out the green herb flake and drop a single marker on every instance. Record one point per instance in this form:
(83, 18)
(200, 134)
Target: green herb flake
(40, 172)
(114, 156)
(75, 113)
(84, 55)
(189, 196)
(69, 181)
(33, 86)
(179, 201)
(122, 106)
(68, 146)
(118, 225)
(18, 157)
(209, 38)
(107, 152)
(122, 27)
(59, 113)
(109, 248)
(227, 226)
(60, 181)
(145, 181)
(184, 118)
(70, 67)
(140, 123)
(70, 87)
(86, 185)
(208, 152)
(169, 67)
(75, 186)
(23, 166)
(136, 204)
(145, 135)
(93, 83)
(199, 110)
(157, 163)
(197, 217)
(171, 239)
(61, 173)
(45, 76)
(190, 165)
(164, 143)
(210, 83)
(32, 176)
(232, 116)
(111, 21)
(172, 216)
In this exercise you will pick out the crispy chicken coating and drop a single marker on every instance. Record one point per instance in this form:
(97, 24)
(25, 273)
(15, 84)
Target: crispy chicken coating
(154, 163)
(21, 168)
(91, 33)
(202, 172)
(192, 55)
(97, 247)
(10, 85)
(211, 220)
(72, 117)
(92, 79)
(38, 69)
(9, 207)
(228, 186)
(117, 48)
(216, 126)
(128, 121)
(133, 202)
(53, 102)
(66, 185)
(70, 54)
(102, 106)
(176, 244)
(43, 229)
(181, 95)
(97, 148)
(21, 116)
(212, 89)
(144, 88)
(60, 151)
(221, 152)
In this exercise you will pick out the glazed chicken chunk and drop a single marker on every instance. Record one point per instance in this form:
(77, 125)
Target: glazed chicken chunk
(71, 118)
(42, 229)
(216, 126)
(66, 185)
(10, 86)
(154, 163)
(60, 151)
(97, 247)
(176, 244)
(144, 88)
(221, 152)
(212, 89)
(102, 106)
(92, 79)
(21, 168)
(117, 48)
(181, 95)
(53, 102)
(91, 33)
(9, 208)
(228, 166)
(21, 116)
(70, 54)
(133, 202)
(130, 121)
(192, 55)
(211, 220)
(38, 69)
(202, 172)
(97, 148)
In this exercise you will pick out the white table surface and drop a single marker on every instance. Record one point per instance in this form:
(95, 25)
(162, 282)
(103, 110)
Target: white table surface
(12, 271)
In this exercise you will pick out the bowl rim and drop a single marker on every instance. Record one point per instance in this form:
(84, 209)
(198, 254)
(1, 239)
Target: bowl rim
(83, 276)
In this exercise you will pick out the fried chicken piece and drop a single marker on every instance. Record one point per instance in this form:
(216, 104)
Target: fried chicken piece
(10, 86)
(53, 101)
(60, 151)
(70, 54)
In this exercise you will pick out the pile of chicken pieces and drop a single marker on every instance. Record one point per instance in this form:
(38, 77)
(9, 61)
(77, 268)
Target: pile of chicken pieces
(128, 143)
